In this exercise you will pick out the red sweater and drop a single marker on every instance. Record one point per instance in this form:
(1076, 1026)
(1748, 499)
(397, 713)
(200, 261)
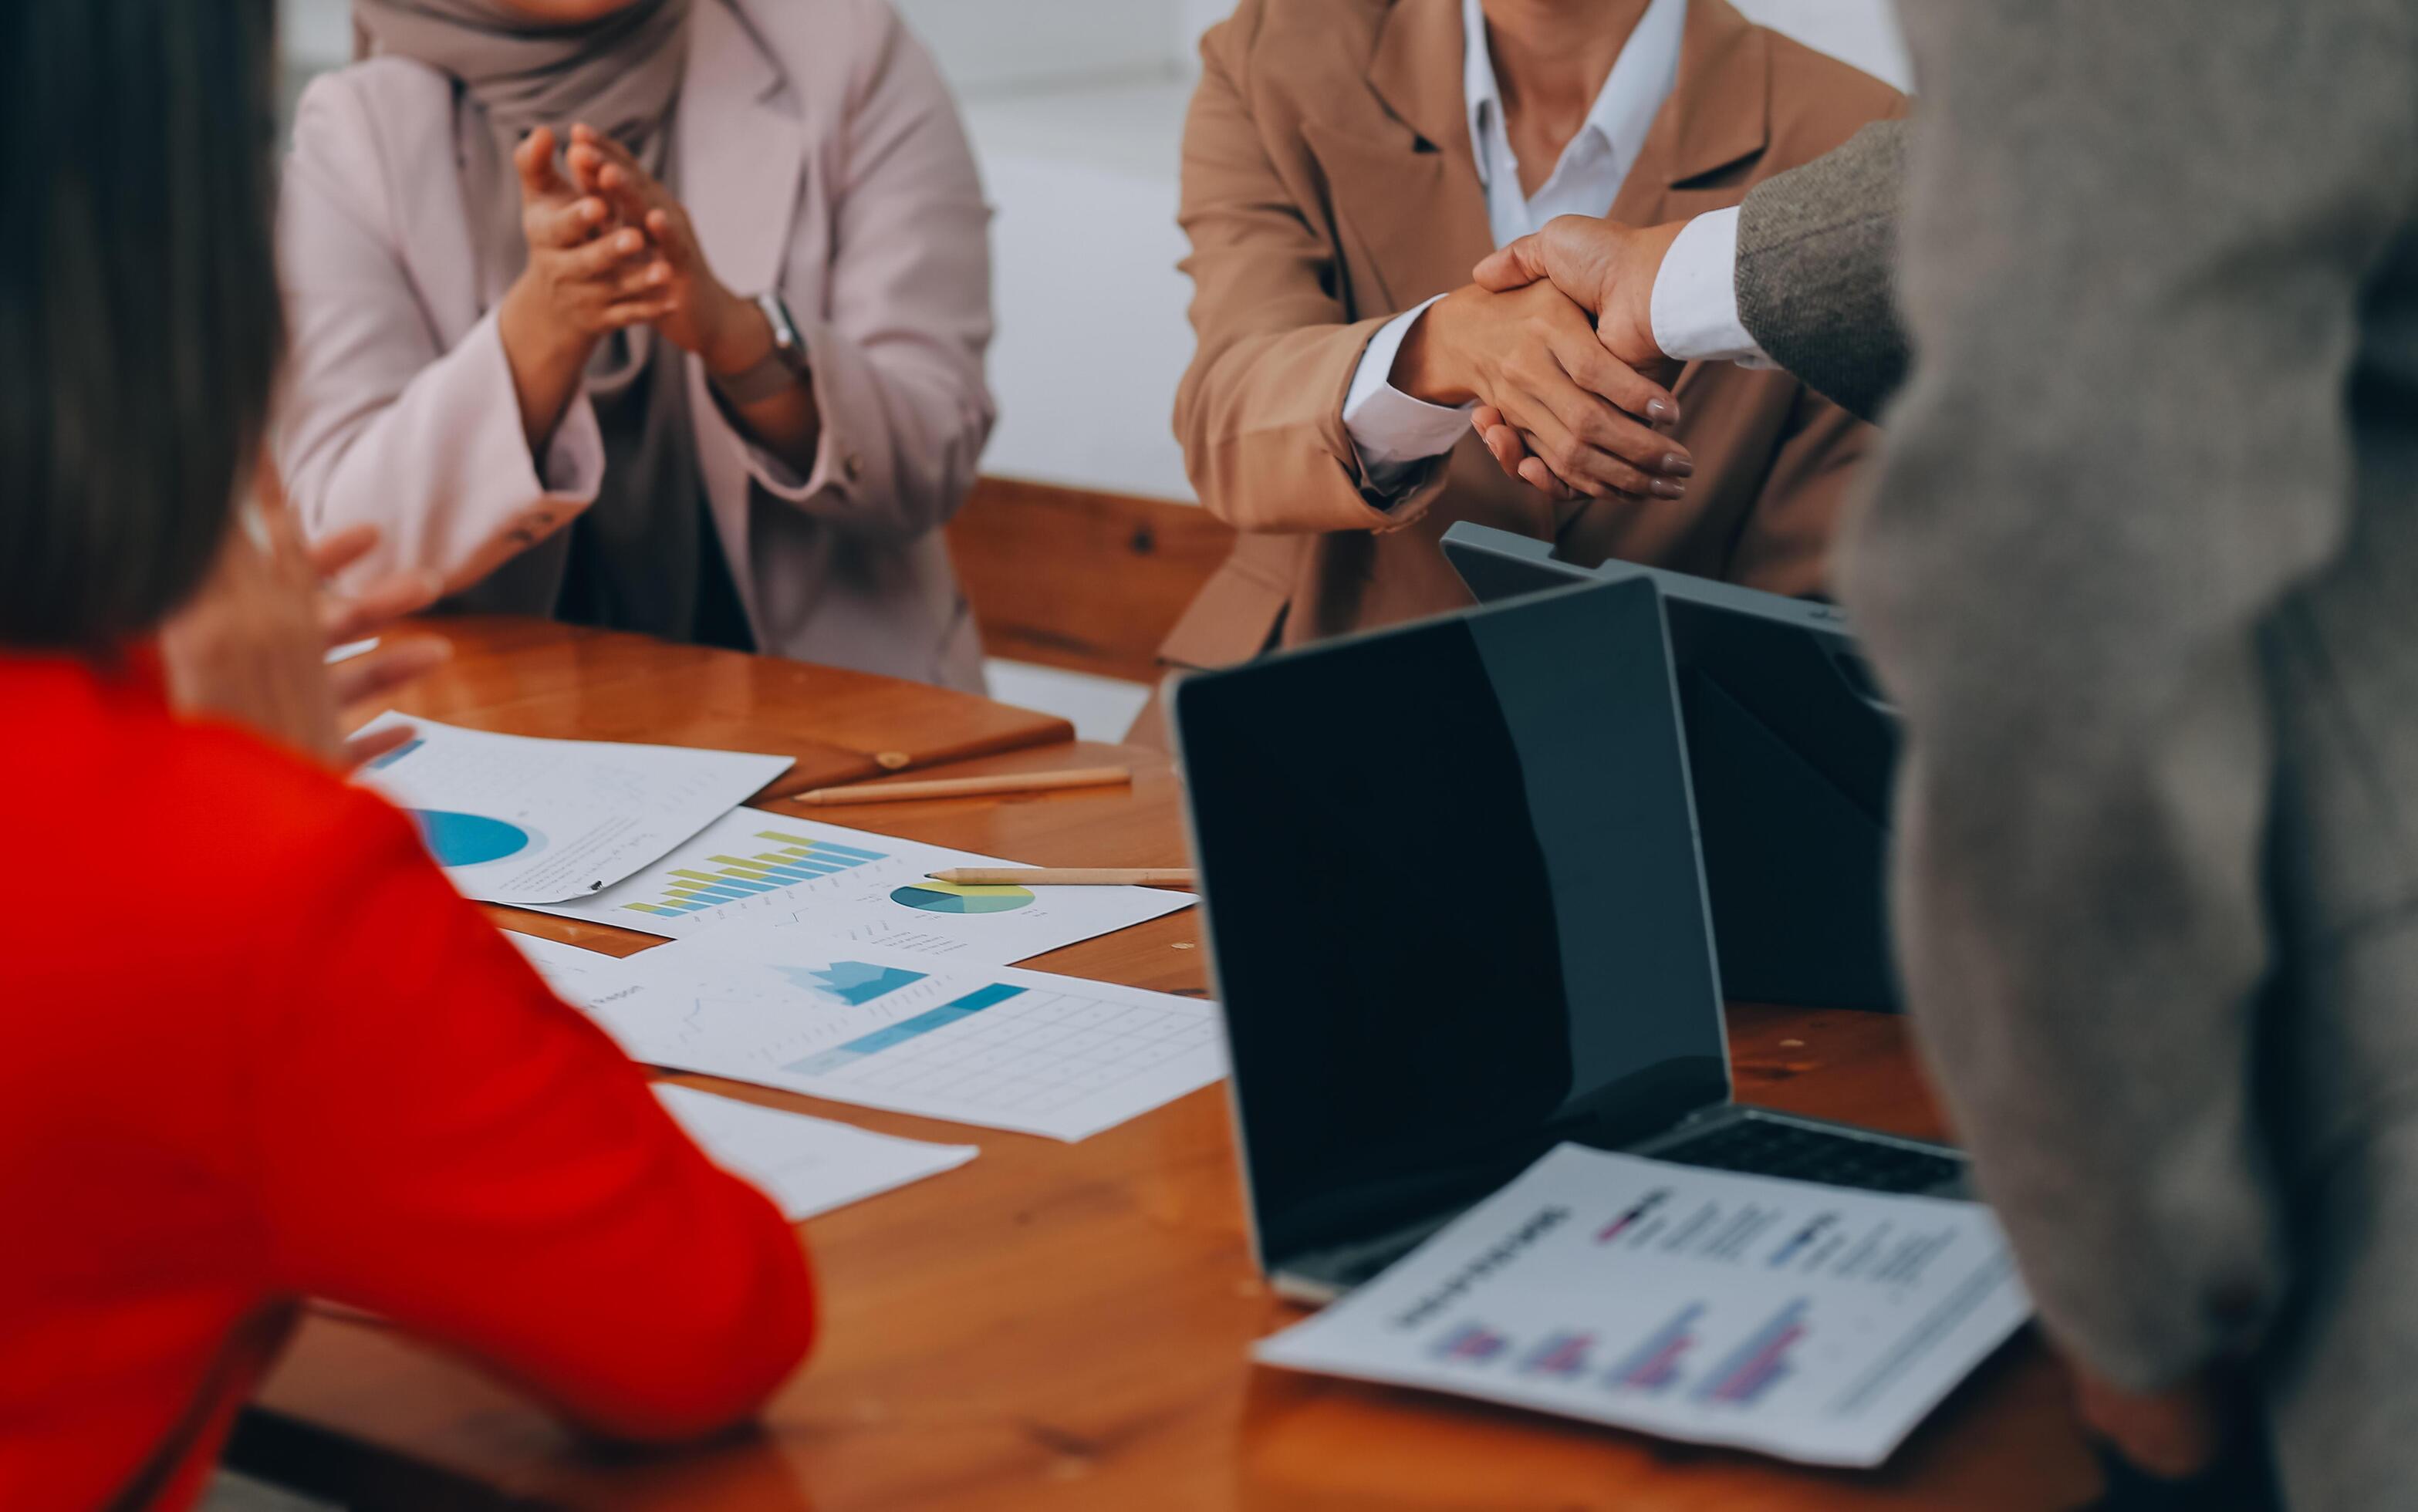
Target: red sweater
(257, 1050)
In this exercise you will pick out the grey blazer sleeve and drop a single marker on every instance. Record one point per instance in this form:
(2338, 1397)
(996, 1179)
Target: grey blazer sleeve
(2138, 243)
(1816, 259)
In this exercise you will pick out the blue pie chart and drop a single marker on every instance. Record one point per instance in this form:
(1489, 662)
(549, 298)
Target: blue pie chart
(948, 898)
(469, 839)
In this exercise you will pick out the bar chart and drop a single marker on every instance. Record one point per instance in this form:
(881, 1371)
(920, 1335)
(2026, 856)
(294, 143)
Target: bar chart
(789, 859)
(854, 983)
(1562, 1356)
(758, 867)
(957, 1011)
(1754, 1367)
(1616, 1288)
(1471, 1344)
(1654, 1364)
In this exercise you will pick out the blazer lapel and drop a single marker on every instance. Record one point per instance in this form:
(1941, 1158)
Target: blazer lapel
(1406, 182)
(1719, 116)
(434, 221)
(742, 157)
(740, 153)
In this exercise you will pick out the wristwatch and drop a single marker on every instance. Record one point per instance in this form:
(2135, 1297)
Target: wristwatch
(784, 367)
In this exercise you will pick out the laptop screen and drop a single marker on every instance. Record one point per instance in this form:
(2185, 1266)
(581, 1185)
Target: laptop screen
(1455, 907)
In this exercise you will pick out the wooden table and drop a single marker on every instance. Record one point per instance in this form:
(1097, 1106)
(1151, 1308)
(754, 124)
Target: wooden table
(1063, 1325)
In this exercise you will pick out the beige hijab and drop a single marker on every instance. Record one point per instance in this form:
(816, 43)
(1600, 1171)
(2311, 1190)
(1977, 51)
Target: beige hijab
(620, 74)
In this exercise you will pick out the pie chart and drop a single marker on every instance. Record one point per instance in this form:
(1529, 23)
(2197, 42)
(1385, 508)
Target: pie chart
(948, 898)
(469, 839)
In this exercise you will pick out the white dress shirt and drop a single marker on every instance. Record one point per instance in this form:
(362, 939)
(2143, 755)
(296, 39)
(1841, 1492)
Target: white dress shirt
(1393, 432)
(1696, 310)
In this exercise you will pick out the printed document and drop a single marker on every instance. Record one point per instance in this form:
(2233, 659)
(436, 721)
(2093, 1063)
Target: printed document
(996, 1046)
(514, 819)
(1805, 1321)
(806, 1166)
(767, 870)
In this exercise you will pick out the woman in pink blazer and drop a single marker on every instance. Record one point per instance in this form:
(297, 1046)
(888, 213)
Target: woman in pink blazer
(666, 315)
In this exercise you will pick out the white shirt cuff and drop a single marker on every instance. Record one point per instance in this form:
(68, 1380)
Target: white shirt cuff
(1393, 432)
(1695, 309)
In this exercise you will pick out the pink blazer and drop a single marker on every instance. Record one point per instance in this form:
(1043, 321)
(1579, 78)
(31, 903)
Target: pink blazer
(820, 153)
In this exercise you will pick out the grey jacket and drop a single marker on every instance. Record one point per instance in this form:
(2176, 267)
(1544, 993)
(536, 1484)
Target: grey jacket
(2140, 567)
(1816, 270)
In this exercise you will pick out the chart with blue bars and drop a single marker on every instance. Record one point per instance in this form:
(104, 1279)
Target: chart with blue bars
(839, 1058)
(854, 983)
(788, 860)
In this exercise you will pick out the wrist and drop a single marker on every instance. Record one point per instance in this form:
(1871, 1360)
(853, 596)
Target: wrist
(533, 340)
(1426, 366)
(742, 339)
(1629, 316)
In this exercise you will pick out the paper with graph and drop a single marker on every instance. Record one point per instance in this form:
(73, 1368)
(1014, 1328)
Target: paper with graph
(806, 1166)
(767, 870)
(516, 819)
(1801, 1321)
(1004, 1049)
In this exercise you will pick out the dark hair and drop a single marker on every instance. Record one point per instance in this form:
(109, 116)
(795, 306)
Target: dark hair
(140, 329)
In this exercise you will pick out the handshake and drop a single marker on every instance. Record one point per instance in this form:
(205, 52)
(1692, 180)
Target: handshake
(1554, 345)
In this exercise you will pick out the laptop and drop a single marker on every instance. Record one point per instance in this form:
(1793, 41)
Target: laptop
(1793, 751)
(1457, 916)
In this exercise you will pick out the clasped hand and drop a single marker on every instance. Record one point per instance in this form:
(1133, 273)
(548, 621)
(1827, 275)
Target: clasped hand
(610, 248)
(1588, 269)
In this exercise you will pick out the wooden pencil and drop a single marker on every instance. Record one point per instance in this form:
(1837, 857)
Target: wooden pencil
(1067, 877)
(1014, 781)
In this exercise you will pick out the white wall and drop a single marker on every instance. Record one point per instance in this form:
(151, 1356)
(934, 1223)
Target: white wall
(1864, 31)
(1092, 331)
(989, 44)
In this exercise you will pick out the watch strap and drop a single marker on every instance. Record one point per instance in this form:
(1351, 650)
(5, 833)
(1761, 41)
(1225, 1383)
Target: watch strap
(783, 368)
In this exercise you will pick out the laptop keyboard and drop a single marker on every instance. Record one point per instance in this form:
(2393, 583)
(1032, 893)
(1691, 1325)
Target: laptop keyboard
(1764, 1147)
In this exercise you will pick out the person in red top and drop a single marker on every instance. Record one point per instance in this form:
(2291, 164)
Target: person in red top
(257, 1050)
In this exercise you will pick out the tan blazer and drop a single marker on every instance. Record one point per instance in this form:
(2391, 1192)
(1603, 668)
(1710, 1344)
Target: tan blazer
(1328, 185)
(820, 155)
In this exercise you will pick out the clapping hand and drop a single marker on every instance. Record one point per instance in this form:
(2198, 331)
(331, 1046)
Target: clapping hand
(692, 307)
(587, 276)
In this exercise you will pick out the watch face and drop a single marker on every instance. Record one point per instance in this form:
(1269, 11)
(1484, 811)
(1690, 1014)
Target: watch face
(785, 343)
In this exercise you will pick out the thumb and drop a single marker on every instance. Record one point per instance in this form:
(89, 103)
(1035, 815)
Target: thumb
(534, 157)
(1516, 266)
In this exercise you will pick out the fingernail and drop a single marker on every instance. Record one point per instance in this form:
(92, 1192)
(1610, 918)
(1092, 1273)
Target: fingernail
(1669, 488)
(1662, 410)
(1677, 465)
